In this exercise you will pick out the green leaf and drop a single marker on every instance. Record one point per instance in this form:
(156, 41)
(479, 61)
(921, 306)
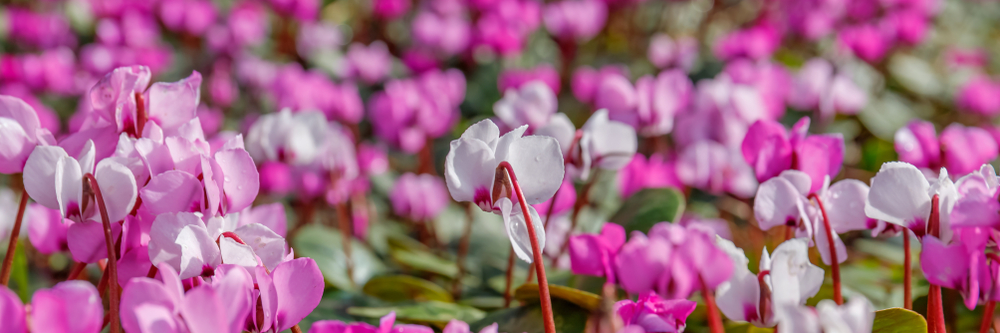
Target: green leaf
(399, 288)
(433, 313)
(898, 320)
(19, 272)
(568, 318)
(425, 262)
(529, 294)
(747, 328)
(648, 207)
(323, 245)
(334, 304)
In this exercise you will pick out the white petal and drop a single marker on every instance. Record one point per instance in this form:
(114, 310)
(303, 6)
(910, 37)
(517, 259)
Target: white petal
(561, 128)
(503, 144)
(612, 144)
(234, 253)
(485, 131)
(40, 175)
(69, 187)
(86, 158)
(794, 279)
(740, 295)
(517, 229)
(265, 243)
(118, 188)
(777, 203)
(845, 205)
(799, 179)
(823, 245)
(469, 167)
(181, 241)
(898, 194)
(538, 166)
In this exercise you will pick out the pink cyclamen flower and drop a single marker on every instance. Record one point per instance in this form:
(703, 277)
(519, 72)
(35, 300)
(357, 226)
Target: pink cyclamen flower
(665, 52)
(471, 171)
(21, 131)
(960, 149)
(857, 315)
(655, 172)
(595, 254)
(412, 111)
(532, 104)
(446, 34)
(193, 17)
(866, 41)
(561, 202)
(818, 87)
(46, 229)
(515, 78)
(369, 63)
(791, 279)
(902, 195)
(12, 311)
(163, 304)
(655, 314)
(659, 98)
(979, 95)
(601, 143)
(419, 198)
(575, 20)
(169, 105)
(769, 149)
(71, 306)
(586, 80)
(757, 42)
(710, 166)
(676, 261)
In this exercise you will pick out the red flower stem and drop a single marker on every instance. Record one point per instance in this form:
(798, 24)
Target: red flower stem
(907, 272)
(343, 219)
(531, 274)
(75, 272)
(102, 284)
(714, 320)
(536, 252)
(463, 250)
(984, 327)
(834, 263)
(140, 113)
(112, 271)
(296, 329)
(510, 278)
(8, 259)
(765, 296)
(935, 310)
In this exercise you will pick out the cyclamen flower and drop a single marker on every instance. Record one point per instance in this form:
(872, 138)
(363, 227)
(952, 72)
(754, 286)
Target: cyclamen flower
(71, 306)
(769, 149)
(658, 100)
(21, 131)
(595, 254)
(516, 78)
(600, 143)
(655, 314)
(665, 52)
(978, 95)
(757, 42)
(56, 180)
(575, 20)
(442, 33)
(676, 261)
(960, 149)
(532, 104)
(369, 63)
(302, 139)
(857, 316)
(169, 105)
(790, 280)
(412, 111)
(710, 166)
(818, 87)
(655, 172)
(150, 305)
(586, 80)
(419, 198)
(900, 194)
(473, 174)
(386, 325)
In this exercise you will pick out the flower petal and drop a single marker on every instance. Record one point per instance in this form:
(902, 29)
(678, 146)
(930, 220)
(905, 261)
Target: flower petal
(767, 149)
(40, 174)
(538, 167)
(70, 306)
(944, 265)
(181, 241)
(11, 311)
(298, 285)
(172, 104)
(777, 203)
(517, 229)
(241, 180)
(844, 203)
(172, 192)
(266, 244)
(118, 188)
(203, 310)
(469, 168)
(898, 195)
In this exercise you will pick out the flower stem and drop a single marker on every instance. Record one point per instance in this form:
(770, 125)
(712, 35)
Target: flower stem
(834, 263)
(463, 250)
(344, 221)
(536, 252)
(935, 310)
(112, 270)
(8, 258)
(510, 279)
(987, 317)
(76, 271)
(296, 329)
(140, 113)
(765, 296)
(907, 272)
(714, 320)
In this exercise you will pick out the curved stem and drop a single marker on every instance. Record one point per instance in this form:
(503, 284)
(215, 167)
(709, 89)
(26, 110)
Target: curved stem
(935, 310)
(76, 270)
(765, 296)
(536, 252)
(140, 113)
(832, 247)
(907, 272)
(296, 329)
(8, 258)
(112, 271)
(984, 327)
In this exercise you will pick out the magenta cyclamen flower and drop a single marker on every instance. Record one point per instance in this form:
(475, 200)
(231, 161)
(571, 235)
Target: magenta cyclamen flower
(515, 78)
(369, 63)
(170, 105)
(586, 80)
(757, 42)
(768, 148)
(71, 306)
(412, 111)
(656, 171)
(21, 131)
(446, 34)
(419, 198)
(960, 149)
(594, 254)
(710, 166)
(818, 87)
(676, 261)
(666, 52)
(978, 95)
(472, 171)
(575, 20)
(655, 314)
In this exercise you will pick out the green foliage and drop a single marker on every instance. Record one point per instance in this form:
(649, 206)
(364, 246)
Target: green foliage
(898, 320)
(433, 313)
(324, 245)
(569, 318)
(648, 207)
(398, 288)
(425, 262)
(528, 293)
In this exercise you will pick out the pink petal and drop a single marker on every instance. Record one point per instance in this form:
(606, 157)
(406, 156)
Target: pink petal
(298, 285)
(777, 203)
(11, 312)
(944, 265)
(145, 291)
(234, 285)
(172, 192)
(175, 103)
(118, 188)
(39, 175)
(86, 240)
(204, 311)
(181, 241)
(71, 306)
(820, 156)
(240, 179)
(767, 149)
(270, 215)
(266, 244)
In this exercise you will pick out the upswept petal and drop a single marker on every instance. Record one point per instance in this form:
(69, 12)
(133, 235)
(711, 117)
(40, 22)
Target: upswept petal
(469, 167)
(845, 205)
(898, 195)
(70, 307)
(298, 285)
(172, 104)
(203, 310)
(266, 244)
(241, 182)
(777, 203)
(117, 187)
(40, 175)
(538, 166)
(172, 192)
